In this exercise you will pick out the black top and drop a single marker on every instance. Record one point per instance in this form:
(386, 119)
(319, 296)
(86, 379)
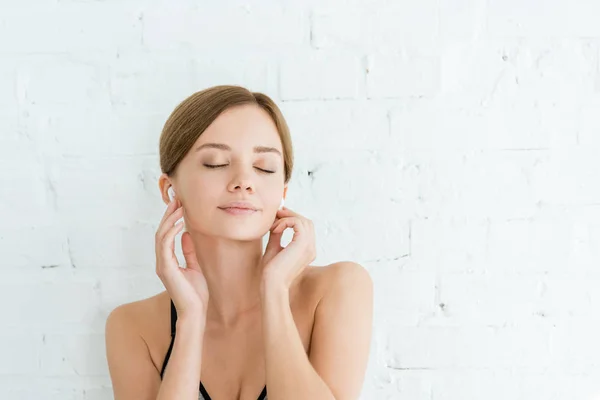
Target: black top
(203, 393)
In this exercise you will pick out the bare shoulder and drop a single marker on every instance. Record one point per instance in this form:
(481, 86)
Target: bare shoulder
(136, 338)
(349, 270)
(146, 318)
(140, 313)
(345, 275)
(336, 273)
(131, 348)
(341, 335)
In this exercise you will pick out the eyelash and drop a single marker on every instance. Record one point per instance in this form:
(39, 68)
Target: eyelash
(224, 165)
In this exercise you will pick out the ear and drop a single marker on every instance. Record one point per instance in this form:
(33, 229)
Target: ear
(285, 188)
(164, 184)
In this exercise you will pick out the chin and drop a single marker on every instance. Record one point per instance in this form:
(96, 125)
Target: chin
(242, 230)
(241, 234)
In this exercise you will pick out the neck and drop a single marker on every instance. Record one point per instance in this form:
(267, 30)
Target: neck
(233, 274)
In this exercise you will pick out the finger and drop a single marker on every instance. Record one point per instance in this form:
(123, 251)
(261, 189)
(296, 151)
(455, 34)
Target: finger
(286, 212)
(189, 252)
(172, 206)
(280, 217)
(274, 223)
(169, 222)
(274, 244)
(288, 222)
(301, 230)
(167, 244)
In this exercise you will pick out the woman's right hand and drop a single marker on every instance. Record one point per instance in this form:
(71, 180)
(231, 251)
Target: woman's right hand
(186, 286)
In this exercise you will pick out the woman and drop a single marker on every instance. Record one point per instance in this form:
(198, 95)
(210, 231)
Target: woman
(236, 321)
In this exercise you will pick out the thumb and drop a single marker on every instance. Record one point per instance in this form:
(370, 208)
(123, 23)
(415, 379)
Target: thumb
(189, 252)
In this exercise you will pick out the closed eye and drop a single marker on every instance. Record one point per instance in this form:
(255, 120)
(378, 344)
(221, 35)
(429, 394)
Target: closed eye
(224, 165)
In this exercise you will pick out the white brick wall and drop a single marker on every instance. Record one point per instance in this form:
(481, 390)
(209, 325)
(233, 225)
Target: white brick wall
(453, 148)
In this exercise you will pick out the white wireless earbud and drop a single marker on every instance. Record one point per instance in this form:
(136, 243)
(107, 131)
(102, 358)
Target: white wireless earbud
(282, 203)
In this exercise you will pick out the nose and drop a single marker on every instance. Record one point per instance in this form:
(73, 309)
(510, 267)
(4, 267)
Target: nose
(242, 180)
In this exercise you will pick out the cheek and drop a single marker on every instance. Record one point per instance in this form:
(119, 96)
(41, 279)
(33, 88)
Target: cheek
(201, 199)
(273, 197)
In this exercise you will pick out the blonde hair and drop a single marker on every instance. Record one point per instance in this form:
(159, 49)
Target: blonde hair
(193, 115)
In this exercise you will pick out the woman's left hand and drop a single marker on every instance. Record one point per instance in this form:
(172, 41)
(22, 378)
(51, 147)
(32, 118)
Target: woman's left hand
(281, 266)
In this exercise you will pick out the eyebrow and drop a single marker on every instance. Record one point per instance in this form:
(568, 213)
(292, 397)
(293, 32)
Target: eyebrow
(221, 146)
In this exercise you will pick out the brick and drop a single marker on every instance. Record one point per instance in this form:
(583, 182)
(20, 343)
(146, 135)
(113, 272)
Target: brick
(370, 26)
(320, 76)
(556, 18)
(73, 355)
(190, 26)
(398, 76)
(403, 293)
(43, 80)
(69, 27)
(20, 353)
(339, 128)
(526, 348)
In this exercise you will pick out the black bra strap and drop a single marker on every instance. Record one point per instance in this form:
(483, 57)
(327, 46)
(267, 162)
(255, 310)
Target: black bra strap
(173, 318)
(173, 324)
(167, 356)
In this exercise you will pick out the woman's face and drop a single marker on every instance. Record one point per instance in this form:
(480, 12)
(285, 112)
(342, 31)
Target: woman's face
(239, 157)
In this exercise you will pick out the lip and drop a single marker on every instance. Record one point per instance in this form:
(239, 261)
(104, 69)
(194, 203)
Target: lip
(241, 205)
(238, 211)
